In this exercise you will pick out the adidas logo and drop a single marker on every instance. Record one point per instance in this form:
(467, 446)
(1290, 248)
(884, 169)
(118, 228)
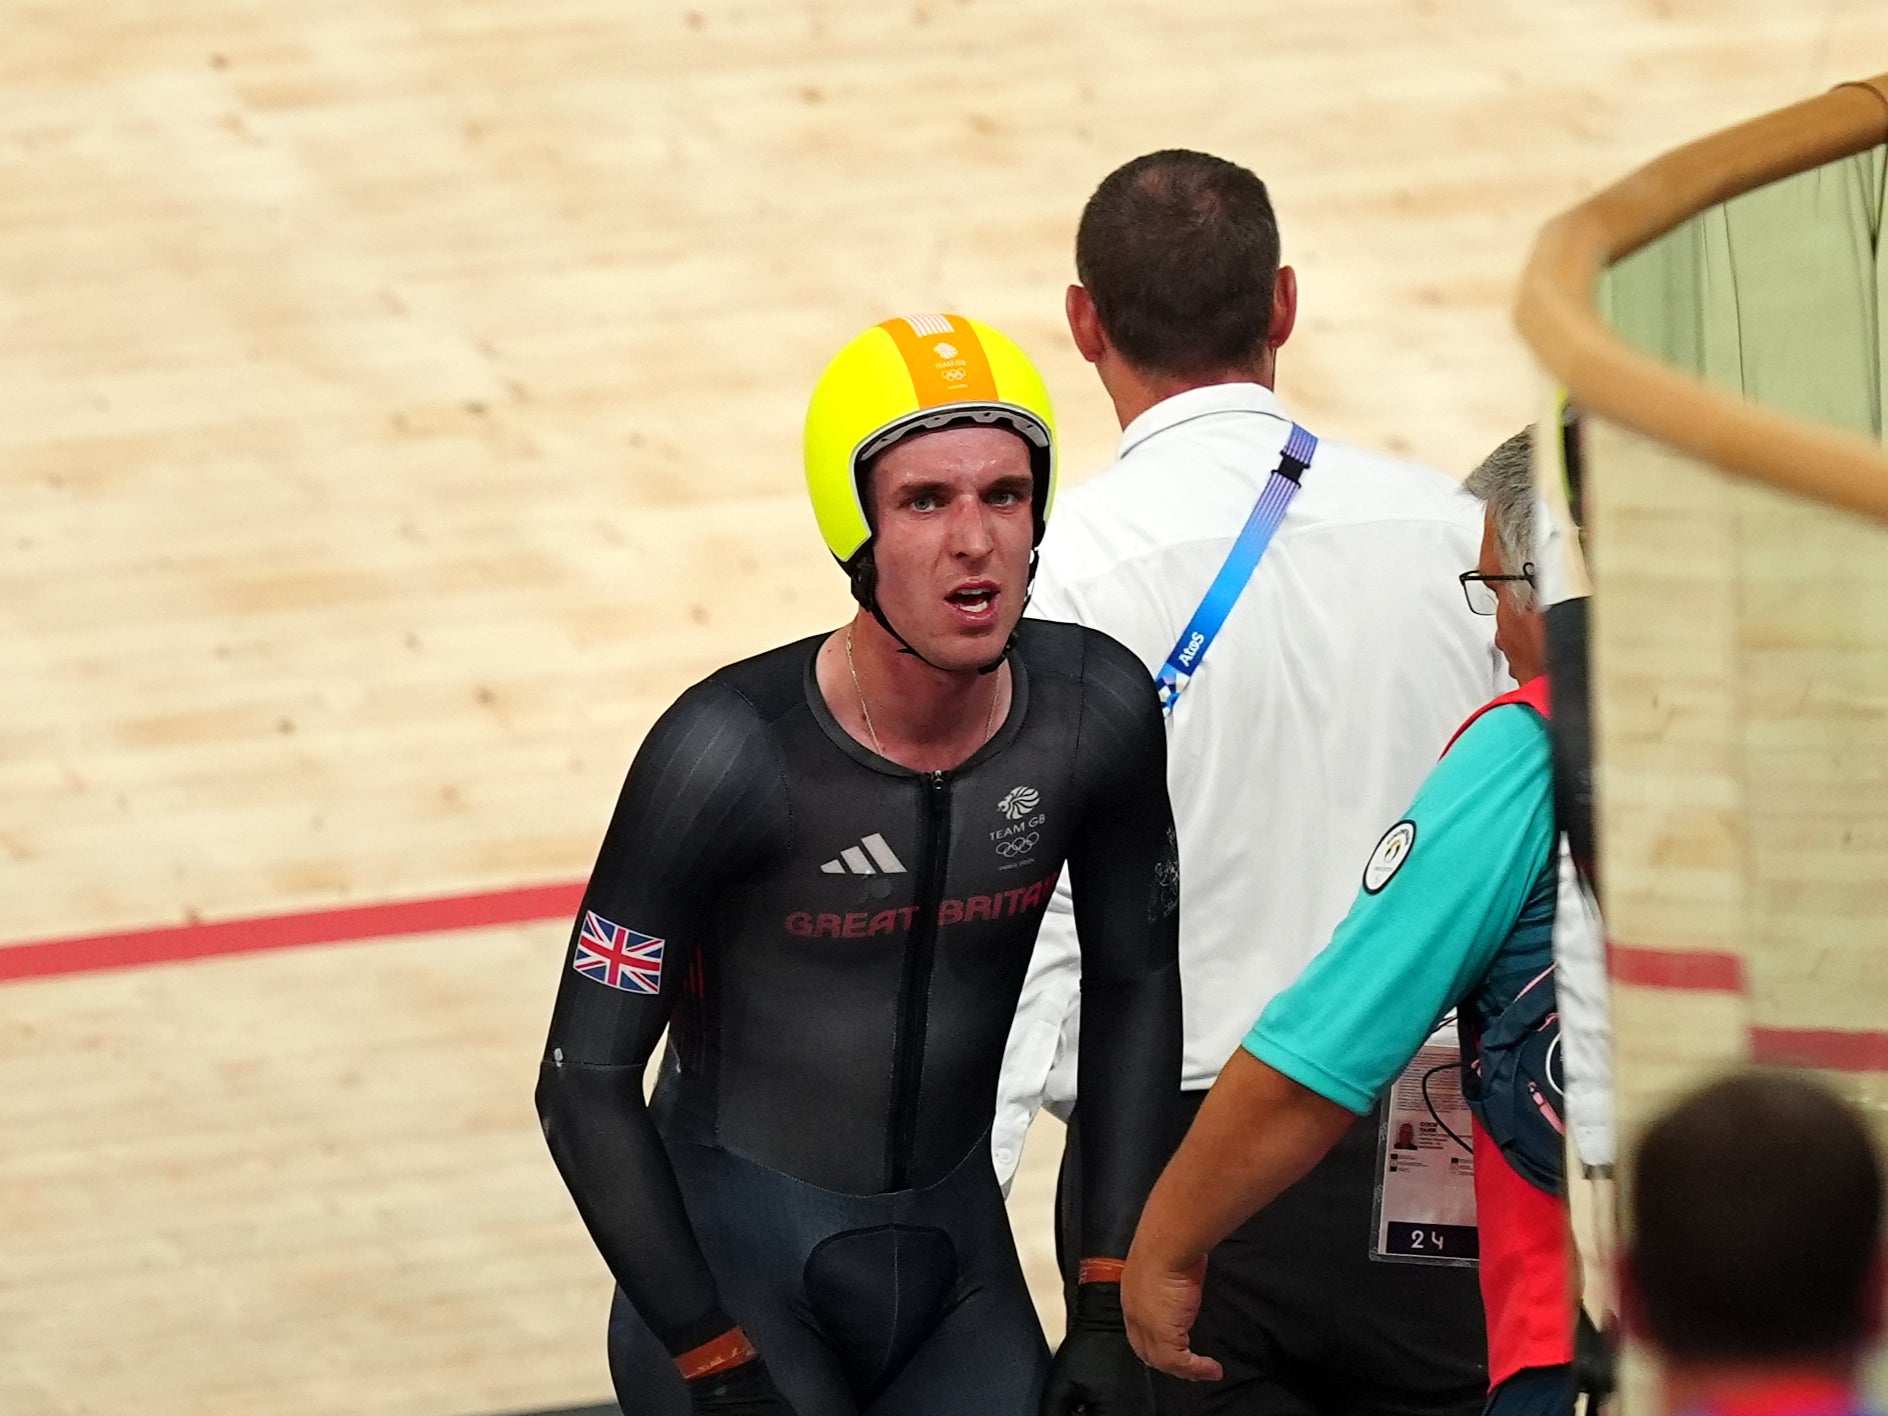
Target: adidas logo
(870, 857)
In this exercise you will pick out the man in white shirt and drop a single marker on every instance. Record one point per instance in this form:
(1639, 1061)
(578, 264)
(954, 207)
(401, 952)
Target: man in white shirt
(1308, 723)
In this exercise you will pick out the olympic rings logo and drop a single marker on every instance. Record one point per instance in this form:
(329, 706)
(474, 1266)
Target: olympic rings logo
(1018, 845)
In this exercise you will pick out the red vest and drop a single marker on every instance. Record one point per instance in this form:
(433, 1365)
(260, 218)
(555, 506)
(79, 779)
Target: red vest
(1532, 694)
(1526, 1262)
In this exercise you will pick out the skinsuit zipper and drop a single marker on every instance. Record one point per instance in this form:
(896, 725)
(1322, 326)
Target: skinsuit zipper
(915, 987)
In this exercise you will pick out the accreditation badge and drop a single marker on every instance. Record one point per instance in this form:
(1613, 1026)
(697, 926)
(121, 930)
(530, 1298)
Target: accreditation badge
(1425, 1206)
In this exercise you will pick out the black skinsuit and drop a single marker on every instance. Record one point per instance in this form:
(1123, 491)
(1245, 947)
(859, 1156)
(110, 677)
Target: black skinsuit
(842, 944)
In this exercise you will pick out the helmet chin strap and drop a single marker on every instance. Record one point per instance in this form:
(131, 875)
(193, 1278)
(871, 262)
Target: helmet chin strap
(863, 573)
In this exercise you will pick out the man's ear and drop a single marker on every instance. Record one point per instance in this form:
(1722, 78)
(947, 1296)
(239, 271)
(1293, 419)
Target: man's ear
(1084, 324)
(1284, 308)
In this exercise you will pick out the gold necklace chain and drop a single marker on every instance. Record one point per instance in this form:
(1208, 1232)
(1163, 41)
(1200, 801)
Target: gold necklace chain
(989, 723)
(853, 669)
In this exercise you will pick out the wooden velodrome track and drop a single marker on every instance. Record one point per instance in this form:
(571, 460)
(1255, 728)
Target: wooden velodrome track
(399, 405)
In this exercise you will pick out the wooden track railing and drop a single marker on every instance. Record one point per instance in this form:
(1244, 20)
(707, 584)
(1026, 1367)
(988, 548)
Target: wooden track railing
(1602, 375)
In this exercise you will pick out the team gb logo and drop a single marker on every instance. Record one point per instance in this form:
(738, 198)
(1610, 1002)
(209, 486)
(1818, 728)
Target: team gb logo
(1018, 802)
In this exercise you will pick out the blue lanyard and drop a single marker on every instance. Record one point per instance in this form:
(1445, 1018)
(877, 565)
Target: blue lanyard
(1241, 561)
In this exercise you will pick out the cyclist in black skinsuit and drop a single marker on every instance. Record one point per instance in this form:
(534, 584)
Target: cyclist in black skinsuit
(824, 876)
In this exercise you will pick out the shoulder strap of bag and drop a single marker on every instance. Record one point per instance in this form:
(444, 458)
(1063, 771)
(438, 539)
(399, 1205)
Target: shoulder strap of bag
(1241, 561)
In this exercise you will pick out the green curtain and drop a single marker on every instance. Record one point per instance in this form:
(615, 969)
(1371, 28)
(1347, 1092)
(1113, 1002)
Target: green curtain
(1775, 295)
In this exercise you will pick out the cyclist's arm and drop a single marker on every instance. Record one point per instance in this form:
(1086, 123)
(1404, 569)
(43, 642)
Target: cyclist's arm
(1123, 868)
(702, 799)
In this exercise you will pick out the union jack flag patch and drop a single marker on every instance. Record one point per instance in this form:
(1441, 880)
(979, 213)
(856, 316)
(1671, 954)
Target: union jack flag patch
(618, 957)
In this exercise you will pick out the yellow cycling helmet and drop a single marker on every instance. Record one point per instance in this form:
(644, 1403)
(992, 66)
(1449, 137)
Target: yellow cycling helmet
(909, 375)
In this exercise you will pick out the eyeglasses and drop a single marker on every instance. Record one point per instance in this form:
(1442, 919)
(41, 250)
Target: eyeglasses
(1480, 592)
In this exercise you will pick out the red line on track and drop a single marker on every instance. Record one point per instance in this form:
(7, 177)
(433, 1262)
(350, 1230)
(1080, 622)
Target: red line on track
(1697, 971)
(48, 958)
(1827, 1048)
(1831, 1049)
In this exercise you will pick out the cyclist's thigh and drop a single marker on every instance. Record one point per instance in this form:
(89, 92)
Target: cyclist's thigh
(986, 1356)
(756, 1228)
(985, 1352)
(641, 1369)
(802, 1366)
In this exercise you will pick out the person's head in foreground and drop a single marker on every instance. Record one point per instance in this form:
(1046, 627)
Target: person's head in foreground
(1754, 1268)
(1502, 583)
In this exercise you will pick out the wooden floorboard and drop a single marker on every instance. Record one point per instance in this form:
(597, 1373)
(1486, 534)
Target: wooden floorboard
(399, 406)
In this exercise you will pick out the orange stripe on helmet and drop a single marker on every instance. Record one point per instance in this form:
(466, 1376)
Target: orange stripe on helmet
(945, 359)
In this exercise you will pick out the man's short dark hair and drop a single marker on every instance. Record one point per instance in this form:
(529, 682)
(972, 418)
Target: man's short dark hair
(1756, 1222)
(1179, 252)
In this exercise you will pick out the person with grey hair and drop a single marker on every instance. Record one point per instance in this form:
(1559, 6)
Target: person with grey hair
(1455, 912)
(1504, 484)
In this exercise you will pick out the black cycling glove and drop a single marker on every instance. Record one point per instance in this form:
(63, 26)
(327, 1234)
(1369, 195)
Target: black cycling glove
(1095, 1372)
(726, 1377)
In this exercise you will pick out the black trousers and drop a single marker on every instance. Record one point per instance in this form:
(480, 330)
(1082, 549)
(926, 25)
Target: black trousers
(1534, 1391)
(1304, 1322)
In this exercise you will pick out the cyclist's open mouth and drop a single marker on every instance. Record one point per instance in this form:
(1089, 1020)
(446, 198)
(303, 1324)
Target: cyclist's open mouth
(975, 601)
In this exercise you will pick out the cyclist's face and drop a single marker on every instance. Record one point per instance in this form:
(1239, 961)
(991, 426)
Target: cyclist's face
(952, 531)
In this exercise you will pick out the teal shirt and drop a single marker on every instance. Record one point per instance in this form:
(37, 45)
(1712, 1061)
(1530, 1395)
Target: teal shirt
(1451, 881)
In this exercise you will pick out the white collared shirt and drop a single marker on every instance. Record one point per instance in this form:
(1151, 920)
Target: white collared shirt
(1315, 715)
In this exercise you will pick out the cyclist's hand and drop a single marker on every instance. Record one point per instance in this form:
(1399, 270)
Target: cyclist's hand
(746, 1390)
(1095, 1372)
